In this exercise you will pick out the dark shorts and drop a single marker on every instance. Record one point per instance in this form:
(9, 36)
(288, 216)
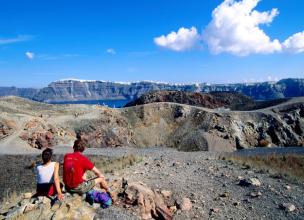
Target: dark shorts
(46, 189)
(83, 187)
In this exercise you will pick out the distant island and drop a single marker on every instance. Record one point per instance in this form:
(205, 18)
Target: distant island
(80, 90)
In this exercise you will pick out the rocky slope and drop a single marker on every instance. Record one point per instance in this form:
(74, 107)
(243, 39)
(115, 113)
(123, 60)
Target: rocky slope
(69, 90)
(25, 123)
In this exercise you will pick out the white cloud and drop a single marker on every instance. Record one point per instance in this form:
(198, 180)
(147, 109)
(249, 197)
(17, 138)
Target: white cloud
(183, 39)
(235, 29)
(295, 43)
(111, 51)
(17, 39)
(30, 55)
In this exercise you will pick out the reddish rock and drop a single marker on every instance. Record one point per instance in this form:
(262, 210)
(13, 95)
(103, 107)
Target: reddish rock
(150, 204)
(186, 204)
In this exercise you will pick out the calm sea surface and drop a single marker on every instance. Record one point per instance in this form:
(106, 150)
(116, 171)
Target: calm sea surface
(109, 103)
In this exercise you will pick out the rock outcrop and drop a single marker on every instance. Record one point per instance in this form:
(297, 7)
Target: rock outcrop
(7, 127)
(75, 90)
(136, 197)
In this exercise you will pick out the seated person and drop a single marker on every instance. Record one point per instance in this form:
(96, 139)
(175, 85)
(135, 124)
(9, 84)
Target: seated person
(74, 167)
(48, 176)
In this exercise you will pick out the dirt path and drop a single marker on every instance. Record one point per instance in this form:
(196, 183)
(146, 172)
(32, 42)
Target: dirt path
(12, 144)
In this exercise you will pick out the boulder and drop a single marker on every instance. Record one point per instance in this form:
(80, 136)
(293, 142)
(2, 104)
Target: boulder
(150, 203)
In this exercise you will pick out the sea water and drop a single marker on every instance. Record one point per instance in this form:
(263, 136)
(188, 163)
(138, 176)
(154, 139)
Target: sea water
(110, 103)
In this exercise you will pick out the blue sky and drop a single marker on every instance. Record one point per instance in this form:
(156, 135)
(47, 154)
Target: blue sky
(44, 41)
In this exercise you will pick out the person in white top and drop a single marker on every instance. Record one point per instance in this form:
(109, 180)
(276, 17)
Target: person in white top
(48, 176)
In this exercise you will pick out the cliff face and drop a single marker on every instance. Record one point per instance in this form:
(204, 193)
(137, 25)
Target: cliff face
(93, 90)
(70, 90)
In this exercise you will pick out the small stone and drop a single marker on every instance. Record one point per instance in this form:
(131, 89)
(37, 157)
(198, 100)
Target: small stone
(288, 207)
(255, 195)
(27, 195)
(214, 210)
(224, 195)
(236, 203)
(30, 207)
(176, 164)
(166, 193)
(96, 206)
(246, 200)
(173, 209)
(287, 187)
(186, 204)
(250, 182)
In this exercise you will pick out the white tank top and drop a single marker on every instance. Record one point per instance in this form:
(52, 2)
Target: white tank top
(45, 174)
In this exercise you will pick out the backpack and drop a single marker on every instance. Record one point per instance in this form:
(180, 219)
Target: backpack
(103, 198)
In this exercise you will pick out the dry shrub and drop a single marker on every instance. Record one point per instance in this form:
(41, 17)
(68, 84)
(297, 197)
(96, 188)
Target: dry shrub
(289, 165)
(109, 165)
(9, 199)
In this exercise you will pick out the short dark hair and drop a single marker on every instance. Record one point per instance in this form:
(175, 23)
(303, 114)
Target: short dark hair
(47, 155)
(79, 145)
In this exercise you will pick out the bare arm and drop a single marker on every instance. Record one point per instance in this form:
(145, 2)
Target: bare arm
(101, 179)
(97, 172)
(57, 182)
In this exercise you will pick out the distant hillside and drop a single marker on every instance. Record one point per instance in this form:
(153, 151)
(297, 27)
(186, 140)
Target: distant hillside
(21, 92)
(231, 100)
(75, 90)
(207, 100)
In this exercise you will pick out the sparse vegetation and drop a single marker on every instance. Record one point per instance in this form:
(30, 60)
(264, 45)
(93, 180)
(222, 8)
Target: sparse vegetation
(290, 165)
(109, 165)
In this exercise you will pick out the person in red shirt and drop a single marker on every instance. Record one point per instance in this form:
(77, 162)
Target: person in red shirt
(74, 167)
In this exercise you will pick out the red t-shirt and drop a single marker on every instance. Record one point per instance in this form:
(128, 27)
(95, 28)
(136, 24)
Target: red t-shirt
(74, 167)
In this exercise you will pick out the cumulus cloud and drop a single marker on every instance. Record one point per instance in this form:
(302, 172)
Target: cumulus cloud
(235, 28)
(29, 55)
(183, 39)
(111, 51)
(295, 43)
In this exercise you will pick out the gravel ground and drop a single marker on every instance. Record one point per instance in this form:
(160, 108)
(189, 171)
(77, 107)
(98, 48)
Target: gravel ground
(210, 183)
(203, 178)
